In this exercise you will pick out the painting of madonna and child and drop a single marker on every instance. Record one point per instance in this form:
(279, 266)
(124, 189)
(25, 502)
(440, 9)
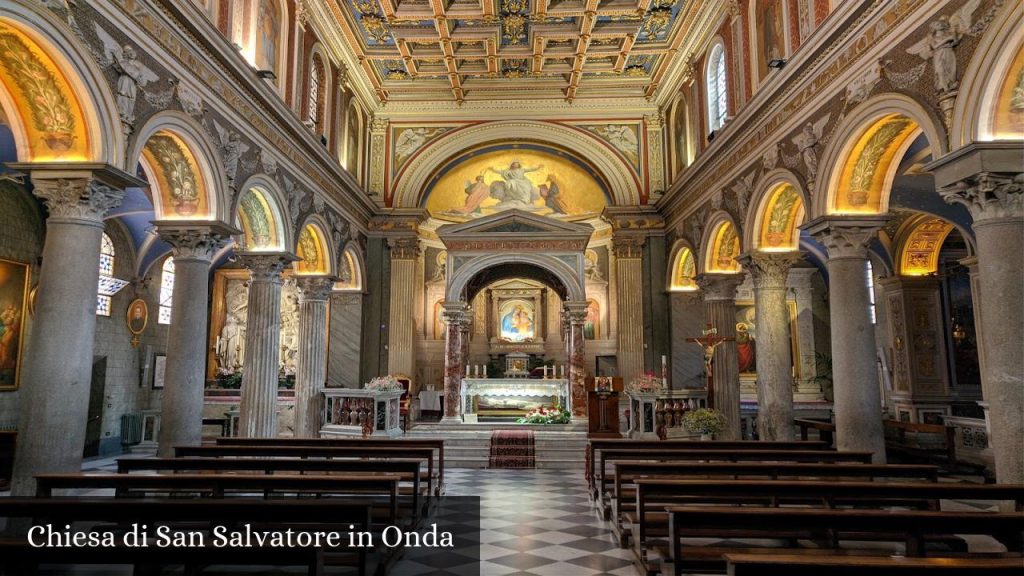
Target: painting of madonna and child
(746, 337)
(546, 182)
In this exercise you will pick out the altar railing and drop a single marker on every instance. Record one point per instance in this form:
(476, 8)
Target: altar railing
(649, 413)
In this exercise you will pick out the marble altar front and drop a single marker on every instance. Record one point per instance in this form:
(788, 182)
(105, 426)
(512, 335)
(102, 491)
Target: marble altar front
(473, 388)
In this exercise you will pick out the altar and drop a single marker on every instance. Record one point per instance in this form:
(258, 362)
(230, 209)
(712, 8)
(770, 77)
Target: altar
(510, 396)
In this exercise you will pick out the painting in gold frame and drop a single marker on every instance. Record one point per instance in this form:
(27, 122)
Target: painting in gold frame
(14, 282)
(136, 318)
(746, 339)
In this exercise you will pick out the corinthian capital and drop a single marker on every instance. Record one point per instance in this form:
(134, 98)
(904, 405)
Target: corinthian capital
(846, 236)
(266, 266)
(195, 240)
(314, 288)
(719, 286)
(404, 248)
(988, 195)
(456, 314)
(81, 199)
(628, 246)
(769, 270)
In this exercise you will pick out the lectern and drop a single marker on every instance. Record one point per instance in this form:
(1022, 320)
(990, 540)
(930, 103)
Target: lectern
(603, 414)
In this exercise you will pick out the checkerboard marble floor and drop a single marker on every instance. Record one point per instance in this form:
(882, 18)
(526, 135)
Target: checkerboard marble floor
(534, 522)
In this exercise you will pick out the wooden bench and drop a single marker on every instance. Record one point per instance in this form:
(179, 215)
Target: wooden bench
(826, 430)
(595, 446)
(408, 469)
(802, 565)
(433, 443)
(373, 487)
(331, 452)
(796, 456)
(942, 445)
(18, 556)
(826, 527)
(653, 494)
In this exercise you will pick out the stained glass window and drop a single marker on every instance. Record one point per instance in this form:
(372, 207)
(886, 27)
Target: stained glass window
(166, 291)
(316, 93)
(718, 94)
(106, 271)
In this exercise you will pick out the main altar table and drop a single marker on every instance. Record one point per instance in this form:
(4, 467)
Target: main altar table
(512, 387)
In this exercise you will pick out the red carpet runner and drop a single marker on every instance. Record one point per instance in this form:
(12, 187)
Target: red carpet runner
(512, 449)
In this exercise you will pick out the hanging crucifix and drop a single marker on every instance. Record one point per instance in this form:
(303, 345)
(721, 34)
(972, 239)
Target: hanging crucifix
(708, 341)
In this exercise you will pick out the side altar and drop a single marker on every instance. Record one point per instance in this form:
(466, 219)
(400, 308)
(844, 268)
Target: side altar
(510, 396)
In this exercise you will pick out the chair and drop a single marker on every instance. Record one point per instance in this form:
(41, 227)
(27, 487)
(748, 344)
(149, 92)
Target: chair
(405, 401)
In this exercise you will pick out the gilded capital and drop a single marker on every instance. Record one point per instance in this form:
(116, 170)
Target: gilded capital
(314, 288)
(768, 270)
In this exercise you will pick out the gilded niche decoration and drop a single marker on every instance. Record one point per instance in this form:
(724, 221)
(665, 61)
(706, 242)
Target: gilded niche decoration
(257, 222)
(684, 272)
(1008, 116)
(725, 249)
(182, 190)
(311, 252)
(864, 174)
(784, 210)
(534, 178)
(921, 250)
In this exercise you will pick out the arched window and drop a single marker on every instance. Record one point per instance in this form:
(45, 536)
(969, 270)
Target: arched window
(103, 294)
(718, 93)
(316, 93)
(166, 290)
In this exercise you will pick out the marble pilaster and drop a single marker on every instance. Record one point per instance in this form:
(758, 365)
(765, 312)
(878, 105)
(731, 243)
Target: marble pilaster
(456, 320)
(719, 292)
(576, 315)
(311, 364)
(988, 180)
(258, 410)
(769, 271)
(181, 409)
(401, 324)
(628, 251)
(857, 393)
(56, 370)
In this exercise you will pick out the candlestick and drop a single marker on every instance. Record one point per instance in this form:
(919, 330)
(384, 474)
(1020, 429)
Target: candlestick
(468, 368)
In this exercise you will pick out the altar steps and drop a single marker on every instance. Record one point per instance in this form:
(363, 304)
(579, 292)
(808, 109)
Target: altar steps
(469, 445)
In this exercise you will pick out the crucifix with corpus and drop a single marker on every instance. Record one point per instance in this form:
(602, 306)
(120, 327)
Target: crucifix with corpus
(708, 341)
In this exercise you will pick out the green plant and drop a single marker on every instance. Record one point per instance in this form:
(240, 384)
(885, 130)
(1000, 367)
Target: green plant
(704, 421)
(230, 381)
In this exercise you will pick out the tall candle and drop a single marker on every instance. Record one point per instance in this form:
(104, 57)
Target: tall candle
(468, 368)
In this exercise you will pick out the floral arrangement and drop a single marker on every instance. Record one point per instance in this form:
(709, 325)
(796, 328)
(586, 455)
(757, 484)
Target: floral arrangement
(646, 384)
(704, 421)
(544, 415)
(229, 378)
(384, 384)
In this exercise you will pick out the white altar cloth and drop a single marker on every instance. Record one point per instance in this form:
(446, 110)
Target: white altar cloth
(513, 387)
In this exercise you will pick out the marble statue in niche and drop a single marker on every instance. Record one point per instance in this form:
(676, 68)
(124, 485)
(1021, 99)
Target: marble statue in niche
(230, 342)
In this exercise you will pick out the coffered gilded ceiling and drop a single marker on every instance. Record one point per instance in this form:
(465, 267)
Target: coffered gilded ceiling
(528, 49)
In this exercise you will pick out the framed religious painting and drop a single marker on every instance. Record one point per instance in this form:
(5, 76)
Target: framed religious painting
(14, 277)
(136, 318)
(746, 338)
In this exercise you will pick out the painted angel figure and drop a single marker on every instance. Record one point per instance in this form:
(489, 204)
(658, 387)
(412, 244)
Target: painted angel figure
(231, 149)
(939, 45)
(132, 74)
(806, 142)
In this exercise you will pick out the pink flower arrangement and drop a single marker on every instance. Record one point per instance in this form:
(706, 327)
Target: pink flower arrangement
(646, 384)
(384, 384)
(545, 415)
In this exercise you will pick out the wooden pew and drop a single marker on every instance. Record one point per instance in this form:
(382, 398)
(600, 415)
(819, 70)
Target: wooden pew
(408, 469)
(896, 440)
(827, 527)
(17, 555)
(797, 456)
(653, 494)
(433, 443)
(225, 485)
(280, 451)
(826, 430)
(597, 445)
(803, 565)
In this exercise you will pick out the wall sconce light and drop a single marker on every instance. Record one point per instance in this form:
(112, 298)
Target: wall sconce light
(777, 63)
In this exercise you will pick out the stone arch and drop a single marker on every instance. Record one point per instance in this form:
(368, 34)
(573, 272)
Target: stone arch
(262, 216)
(766, 218)
(352, 263)
(196, 150)
(409, 185)
(722, 240)
(81, 122)
(682, 268)
(571, 278)
(876, 134)
(314, 248)
(999, 53)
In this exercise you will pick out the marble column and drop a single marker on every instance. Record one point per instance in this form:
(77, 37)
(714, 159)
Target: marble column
(455, 318)
(987, 179)
(181, 409)
(311, 363)
(401, 324)
(857, 395)
(576, 315)
(687, 321)
(769, 271)
(258, 410)
(629, 283)
(57, 368)
(719, 291)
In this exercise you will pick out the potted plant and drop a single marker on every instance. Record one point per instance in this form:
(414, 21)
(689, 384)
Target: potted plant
(704, 421)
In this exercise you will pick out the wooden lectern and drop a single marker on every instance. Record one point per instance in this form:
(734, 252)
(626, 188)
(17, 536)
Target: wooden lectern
(603, 407)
